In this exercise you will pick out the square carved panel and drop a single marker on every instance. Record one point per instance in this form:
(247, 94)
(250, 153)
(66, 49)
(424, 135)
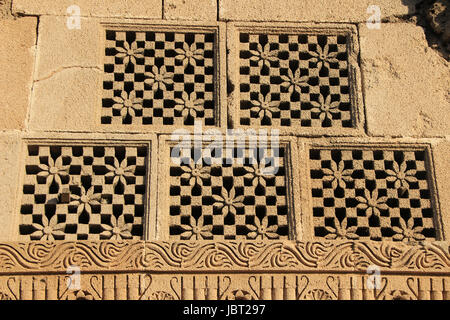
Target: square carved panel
(161, 76)
(373, 193)
(300, 79)
(236, 193)
(84, 191)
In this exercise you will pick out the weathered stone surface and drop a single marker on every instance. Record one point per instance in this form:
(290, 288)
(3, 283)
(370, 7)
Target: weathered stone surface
(10, 148)
(441, 154)
(201, 10)
(66, 100)
(406, 83)
(17, 47)
(61, 48)
(5, 9)
(311, 10)
(96, 8)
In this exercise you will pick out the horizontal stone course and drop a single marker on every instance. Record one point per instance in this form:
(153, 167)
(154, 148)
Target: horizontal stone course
(311, 10)
(92, 8)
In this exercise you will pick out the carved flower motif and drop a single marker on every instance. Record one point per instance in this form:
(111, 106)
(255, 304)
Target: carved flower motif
(196, 173)
(326, 108)
(130, 53)
(258, 173)
(189, 105)
(48, 229)
(120, 171)
(371, 203)
(239, 295)
(197, 230)
(54, 171)
(228, 201)
(189, 54)
(264, 55)
(401, 176)
(127, 104)
(118, 229)
(318, 294)
(85, 200)
(80, 295)
(261, 229)
(397, 295)
(161, 295)
(265, 106)
(158, 78)
(323, 57)
(293, 81)
(337, 175)
(407, 232)
(341, 231)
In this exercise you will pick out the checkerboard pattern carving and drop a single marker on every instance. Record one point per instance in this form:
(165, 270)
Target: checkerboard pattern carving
(221, 196)
(371, 194)
(159, 78)
(84, 192)
(294, 80)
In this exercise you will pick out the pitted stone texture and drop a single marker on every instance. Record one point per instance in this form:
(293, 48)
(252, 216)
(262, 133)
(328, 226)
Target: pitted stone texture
(96, 8)
(5, 9)
(10, 147)
(17, 41)
(200, 10)
(406, 83)
(311, 10)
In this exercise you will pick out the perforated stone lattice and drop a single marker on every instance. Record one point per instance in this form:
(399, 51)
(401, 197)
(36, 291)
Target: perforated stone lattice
(294, 80)
(84, 192)
(217, 197)
(371, 194)
(159, 78)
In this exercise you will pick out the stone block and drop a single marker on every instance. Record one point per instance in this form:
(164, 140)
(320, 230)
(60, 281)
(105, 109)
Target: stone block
(201, 10)
(17, 49)
(311, 10)
(406, 83)
(10, 147)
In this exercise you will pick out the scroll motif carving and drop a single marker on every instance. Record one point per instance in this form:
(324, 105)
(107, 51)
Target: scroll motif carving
(226, 255)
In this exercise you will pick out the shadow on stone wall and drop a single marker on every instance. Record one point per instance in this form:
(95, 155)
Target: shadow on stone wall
(434, 17)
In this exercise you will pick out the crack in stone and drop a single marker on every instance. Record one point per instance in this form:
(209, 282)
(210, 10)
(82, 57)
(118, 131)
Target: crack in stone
(61, 69)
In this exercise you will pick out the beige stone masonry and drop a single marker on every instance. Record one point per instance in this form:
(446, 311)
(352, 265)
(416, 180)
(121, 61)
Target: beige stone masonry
(69, 80)
(17, 49)
(92, 8)
(311, 10)
(10, 161)
(406, 83)
(201, 10)
(177, 270)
